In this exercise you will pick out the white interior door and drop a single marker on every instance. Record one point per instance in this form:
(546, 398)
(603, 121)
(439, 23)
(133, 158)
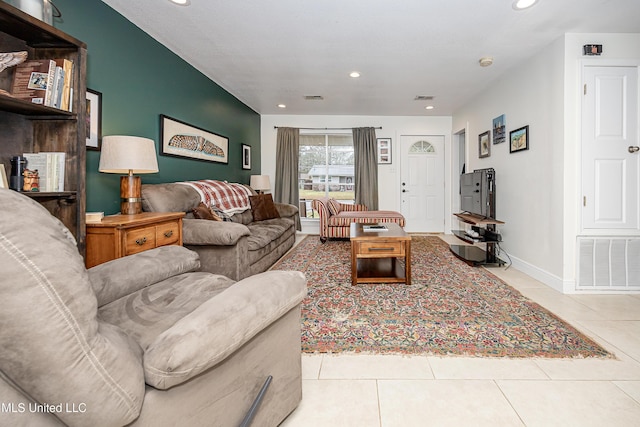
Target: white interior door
(610, 160)
(422, 182)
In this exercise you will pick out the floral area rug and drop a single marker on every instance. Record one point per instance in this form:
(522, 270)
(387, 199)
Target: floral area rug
(450, 308)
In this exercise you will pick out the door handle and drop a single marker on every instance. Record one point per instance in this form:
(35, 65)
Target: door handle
(633, 148)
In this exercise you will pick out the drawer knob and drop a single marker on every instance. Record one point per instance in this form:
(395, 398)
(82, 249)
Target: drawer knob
(168, 233)
(141, 241)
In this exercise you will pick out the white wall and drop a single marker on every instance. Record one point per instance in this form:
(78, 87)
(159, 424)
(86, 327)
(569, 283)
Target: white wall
(529, 184)
(392, 127)
(538, 191)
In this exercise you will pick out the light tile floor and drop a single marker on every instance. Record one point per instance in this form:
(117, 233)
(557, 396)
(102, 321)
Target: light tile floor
(392, 390)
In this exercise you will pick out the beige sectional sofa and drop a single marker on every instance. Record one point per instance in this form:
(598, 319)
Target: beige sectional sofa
(236, 249)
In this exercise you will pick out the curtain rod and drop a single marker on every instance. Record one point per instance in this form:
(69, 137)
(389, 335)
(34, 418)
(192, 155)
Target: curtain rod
(276, 127)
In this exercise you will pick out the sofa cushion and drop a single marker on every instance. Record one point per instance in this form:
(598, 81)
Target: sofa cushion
(147, 313)
(263, 208)
(215, 210)
(55, 348)
(334, 206)
(169, 198)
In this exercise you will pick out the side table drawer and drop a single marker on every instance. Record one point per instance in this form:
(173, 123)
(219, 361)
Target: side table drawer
(381, 249)
(167, 234)
(138, 240)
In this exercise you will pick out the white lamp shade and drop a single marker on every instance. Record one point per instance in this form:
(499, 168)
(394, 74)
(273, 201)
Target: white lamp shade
(122, 154)
(260, 182)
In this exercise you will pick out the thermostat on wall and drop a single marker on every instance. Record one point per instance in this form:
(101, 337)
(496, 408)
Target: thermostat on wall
(592, 49)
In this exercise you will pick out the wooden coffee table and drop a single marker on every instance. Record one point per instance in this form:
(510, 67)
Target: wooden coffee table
(374, 254)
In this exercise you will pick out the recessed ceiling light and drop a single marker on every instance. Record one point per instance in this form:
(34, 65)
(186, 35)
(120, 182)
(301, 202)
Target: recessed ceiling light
(181, 2)
(282, 106)
(429, 107)
(523, 4)
(354, 74)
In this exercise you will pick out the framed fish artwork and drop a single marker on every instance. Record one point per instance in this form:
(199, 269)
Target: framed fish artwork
(180, 139)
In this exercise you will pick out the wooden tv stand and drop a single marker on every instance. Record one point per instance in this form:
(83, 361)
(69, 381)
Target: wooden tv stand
(472, 254)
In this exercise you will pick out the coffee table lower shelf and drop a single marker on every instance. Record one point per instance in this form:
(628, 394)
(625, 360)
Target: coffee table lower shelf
(379, 270)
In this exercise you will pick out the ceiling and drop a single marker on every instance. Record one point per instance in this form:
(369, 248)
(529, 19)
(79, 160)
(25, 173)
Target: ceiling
(279, 51)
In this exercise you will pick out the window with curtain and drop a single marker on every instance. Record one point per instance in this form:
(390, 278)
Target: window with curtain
(326, 169)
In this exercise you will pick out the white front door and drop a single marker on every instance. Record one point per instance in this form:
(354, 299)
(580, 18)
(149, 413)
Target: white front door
(422, 182)
(610, 160)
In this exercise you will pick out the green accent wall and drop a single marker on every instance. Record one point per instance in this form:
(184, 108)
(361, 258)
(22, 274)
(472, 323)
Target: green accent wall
(140, 79)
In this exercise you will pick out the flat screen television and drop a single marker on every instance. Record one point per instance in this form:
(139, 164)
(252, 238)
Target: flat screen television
(477, 193)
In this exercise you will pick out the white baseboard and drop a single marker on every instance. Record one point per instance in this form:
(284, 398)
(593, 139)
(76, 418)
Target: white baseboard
(551, 280)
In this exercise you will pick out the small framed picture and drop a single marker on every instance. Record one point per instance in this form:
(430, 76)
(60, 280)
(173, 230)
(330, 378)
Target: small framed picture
(484, 144)
(94, 120)
(4, 182)
(519, 139)
(384, 151)
(246, 156)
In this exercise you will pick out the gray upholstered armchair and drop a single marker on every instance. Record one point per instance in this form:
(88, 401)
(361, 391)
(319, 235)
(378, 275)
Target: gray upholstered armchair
(141, 340)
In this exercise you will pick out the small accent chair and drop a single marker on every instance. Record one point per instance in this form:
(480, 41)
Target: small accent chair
(143, 340)
(336, 217)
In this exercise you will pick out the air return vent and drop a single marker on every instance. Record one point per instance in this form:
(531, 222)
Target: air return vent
(423, 98)
(608, 263)
(313, 97)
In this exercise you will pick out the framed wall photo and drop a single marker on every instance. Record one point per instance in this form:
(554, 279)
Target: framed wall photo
(484, 144)
(499, 130)
(246, 156)
(180, 139)
(519, 139)
(384, 151)
(94, 120)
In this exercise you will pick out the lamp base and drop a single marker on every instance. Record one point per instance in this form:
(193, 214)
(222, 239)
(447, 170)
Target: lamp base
(130, 195)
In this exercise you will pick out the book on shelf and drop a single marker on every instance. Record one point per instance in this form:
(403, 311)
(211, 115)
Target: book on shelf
(50, 167)
(67, 68)
(47, 82)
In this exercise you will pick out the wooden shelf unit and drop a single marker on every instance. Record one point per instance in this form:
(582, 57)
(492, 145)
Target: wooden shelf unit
(32, 128)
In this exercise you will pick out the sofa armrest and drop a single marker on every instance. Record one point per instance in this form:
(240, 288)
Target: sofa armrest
(286, 210)
(220, 326)
(204, 232)
(122, 276)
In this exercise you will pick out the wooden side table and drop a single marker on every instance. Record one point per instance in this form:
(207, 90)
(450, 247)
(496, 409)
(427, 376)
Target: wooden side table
(121, 235)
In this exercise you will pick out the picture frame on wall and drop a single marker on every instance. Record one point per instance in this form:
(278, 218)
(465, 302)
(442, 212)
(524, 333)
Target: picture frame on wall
(94, 120)
(384, 151)
(519, 139)
(499, 130)
(246, 156)
(484, 144)
(180, 139)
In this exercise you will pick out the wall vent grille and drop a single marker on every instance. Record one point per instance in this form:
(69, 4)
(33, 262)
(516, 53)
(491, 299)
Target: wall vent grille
(608, 263)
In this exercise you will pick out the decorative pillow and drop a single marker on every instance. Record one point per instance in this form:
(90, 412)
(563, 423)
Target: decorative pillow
(334, 207)
(202, 211)
(220, 213)
(262, 207)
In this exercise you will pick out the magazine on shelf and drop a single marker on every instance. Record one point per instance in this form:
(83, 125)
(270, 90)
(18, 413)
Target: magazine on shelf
(374, 227)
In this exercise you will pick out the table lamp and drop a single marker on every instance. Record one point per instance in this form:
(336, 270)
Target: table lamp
(129, 155)
(260, 183)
